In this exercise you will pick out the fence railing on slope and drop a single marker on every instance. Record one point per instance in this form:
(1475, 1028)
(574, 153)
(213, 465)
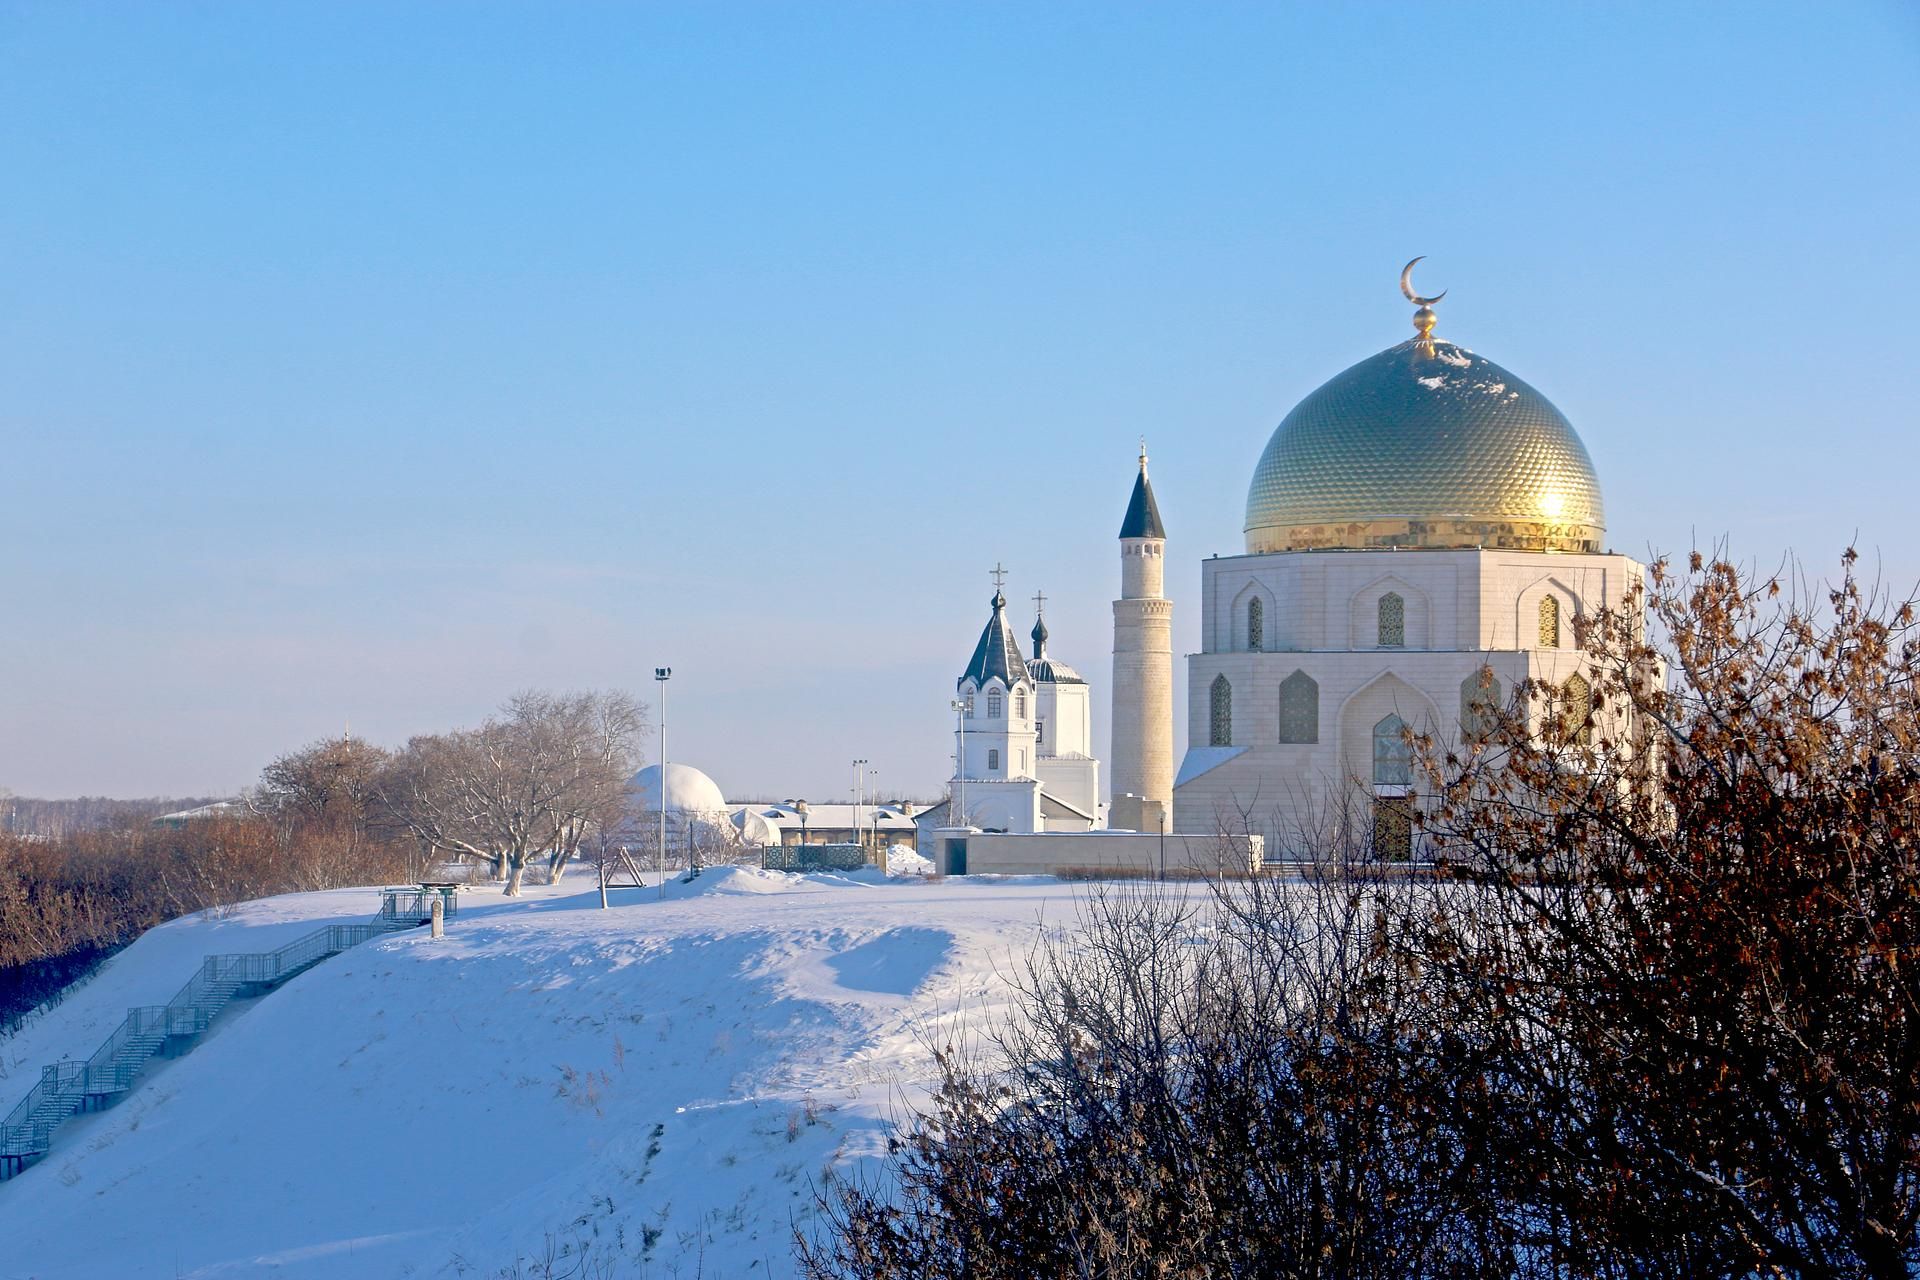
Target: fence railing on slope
(68, 1086)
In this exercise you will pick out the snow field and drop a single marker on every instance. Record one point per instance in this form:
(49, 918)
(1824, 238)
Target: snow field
(655, 1086)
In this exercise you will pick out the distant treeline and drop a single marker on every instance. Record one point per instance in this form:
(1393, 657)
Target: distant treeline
(68, 902)
(543, 782)
(24, 815)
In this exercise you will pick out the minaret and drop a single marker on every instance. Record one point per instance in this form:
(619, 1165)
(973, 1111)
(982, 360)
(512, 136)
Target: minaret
(1142, 669)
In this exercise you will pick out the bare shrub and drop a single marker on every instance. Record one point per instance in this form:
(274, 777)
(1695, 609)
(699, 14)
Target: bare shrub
(1237, 1080)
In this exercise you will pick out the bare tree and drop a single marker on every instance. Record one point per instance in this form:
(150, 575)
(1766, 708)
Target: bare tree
(598, 736)
(529, 783)
(332, 779)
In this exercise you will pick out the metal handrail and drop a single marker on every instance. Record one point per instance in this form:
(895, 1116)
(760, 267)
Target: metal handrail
(65, 1086)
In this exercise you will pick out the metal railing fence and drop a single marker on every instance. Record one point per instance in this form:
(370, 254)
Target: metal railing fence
(70, 1086)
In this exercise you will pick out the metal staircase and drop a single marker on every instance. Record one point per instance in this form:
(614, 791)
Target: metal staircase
(70, 1086)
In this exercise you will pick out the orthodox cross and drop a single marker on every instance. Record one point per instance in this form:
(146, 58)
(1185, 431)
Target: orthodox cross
(999, 575)
(1039, 604)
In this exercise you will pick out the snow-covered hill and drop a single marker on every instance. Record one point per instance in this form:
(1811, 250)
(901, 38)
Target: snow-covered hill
(656, 1083)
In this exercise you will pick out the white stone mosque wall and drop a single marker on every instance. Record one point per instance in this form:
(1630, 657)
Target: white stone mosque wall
(1462, 610)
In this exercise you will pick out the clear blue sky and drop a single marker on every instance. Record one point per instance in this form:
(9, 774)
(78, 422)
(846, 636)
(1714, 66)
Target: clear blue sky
(374, 361)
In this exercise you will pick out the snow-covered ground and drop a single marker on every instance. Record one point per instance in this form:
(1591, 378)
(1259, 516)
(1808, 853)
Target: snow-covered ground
(657, 1084)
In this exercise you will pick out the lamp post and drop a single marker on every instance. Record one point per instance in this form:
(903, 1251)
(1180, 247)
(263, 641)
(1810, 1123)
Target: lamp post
(859, 785)
(960, 764)
(1163, 842)
(660, 676)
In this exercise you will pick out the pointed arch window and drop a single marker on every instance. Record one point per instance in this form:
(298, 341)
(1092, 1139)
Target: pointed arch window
(1299, 708)
(1392, 754)
(1550, 622)
(1392, 620)
(994, 705)
(1256, 625)
(1576, 710)
(1481, 700)
(1220, 717)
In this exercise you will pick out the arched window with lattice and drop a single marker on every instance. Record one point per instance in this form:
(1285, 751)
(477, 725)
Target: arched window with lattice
(1220, 713)
(1256, 625)
(1299, 708)
(1019, 704)
(994, 705)
(1576, 710)
(1392, 754)
(1549, 622)
(1393, 620)
(993, 759)
(1481, 700)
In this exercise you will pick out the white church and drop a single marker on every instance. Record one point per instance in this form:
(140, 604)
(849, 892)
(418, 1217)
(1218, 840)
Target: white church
(1422, 533)
(1023, 738)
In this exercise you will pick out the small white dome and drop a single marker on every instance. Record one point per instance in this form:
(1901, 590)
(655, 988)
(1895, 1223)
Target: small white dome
(755, 827)
(688, 790)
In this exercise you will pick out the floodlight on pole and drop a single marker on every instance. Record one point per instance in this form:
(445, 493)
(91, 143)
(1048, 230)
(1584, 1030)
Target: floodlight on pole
(661, 675)
(859, 783)
(960, 764)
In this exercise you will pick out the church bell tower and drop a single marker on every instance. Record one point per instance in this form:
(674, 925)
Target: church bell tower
(1142, 669)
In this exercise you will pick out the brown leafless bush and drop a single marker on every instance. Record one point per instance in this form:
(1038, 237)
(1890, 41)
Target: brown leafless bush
(1211, 1081)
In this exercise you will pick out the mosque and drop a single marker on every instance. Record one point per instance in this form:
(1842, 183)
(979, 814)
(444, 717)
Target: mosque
(1422, 533)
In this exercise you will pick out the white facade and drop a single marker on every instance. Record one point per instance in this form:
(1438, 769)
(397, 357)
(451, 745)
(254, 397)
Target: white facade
(1063, 734)
(1308, 655)
(1022, 740)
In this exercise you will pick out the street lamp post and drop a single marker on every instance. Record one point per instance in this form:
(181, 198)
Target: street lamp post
(859, 785)
(661, 675)
(960, 764)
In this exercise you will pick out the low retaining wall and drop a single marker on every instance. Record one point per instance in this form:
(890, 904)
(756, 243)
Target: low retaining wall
(958, 851)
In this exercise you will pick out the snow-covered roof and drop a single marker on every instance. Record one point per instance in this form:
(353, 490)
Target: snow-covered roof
(218, 809)
(840, 816)
(1201, 760)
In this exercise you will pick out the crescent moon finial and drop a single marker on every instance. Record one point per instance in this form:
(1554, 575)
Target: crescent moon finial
(1423, 319)
(1406, 285)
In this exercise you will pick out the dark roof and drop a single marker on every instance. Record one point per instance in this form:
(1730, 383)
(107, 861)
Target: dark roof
(1043, 669)
(1143, 514)
(998, 653)
(1048, 671)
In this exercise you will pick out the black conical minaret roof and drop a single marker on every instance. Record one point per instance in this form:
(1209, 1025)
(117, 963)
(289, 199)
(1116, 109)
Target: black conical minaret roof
(1143, 513)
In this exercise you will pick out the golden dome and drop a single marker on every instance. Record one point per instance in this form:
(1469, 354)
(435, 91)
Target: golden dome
(1425, 445)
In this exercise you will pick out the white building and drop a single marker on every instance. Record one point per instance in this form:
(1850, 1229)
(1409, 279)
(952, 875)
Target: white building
(876, 827)
(1023, 739)
(1063, 731)
(1422, 533)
